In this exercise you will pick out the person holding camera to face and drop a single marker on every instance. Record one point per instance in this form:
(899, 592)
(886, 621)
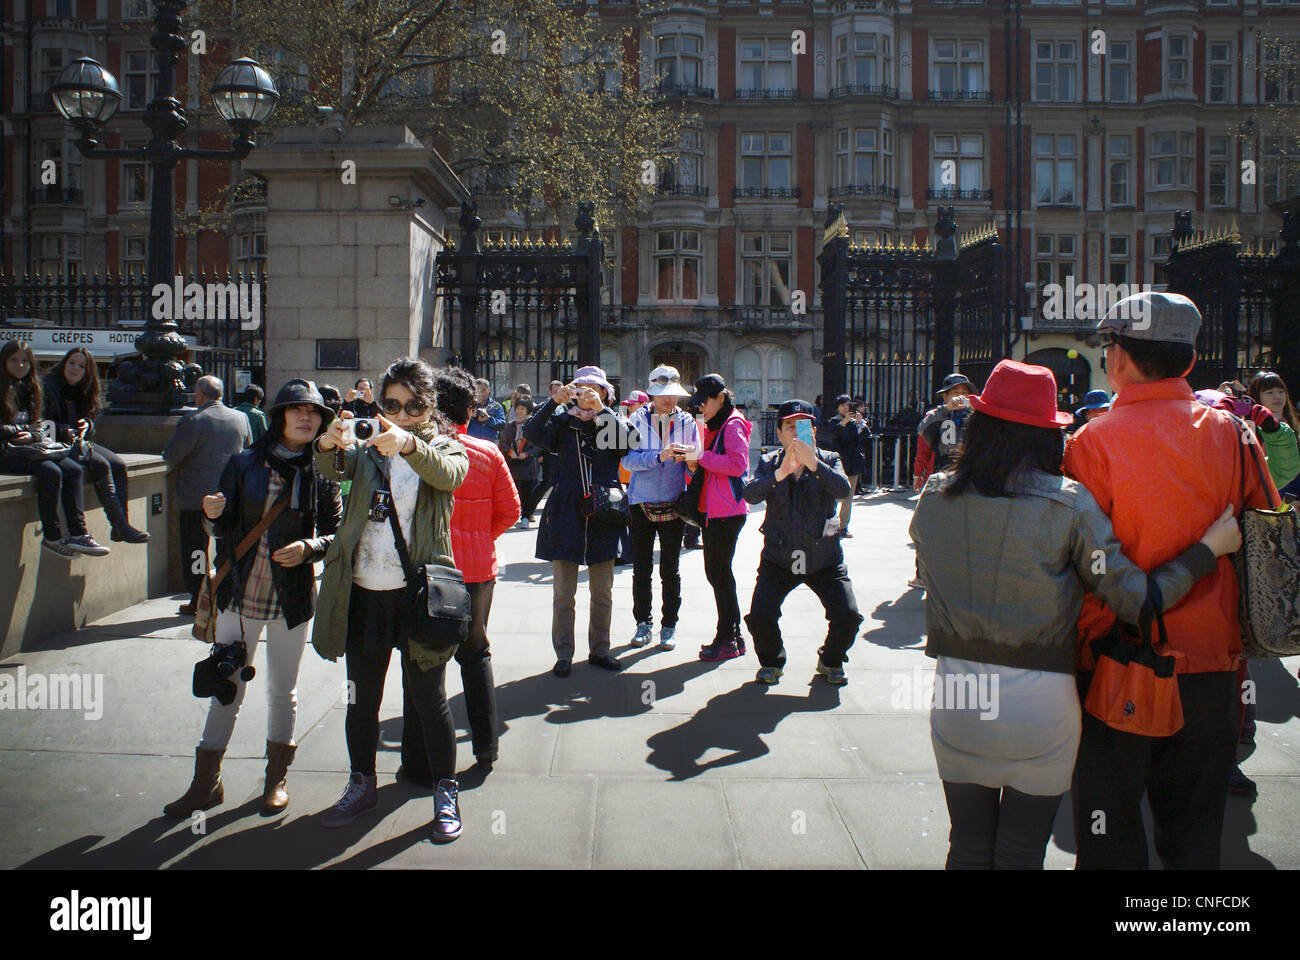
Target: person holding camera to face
(588, 439)
(488, 416)
(406, 464)
(272, 587)
(360, 401)
(941, 428)
(803, 487)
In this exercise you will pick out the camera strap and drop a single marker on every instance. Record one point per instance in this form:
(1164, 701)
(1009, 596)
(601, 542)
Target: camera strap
(399, 540)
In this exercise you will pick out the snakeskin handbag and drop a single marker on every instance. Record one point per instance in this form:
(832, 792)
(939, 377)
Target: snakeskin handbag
(1268, 573)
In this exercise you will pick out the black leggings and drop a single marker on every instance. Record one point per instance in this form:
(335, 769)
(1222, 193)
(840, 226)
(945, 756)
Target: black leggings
(719, 536)
(997, 829)
(104, 463)
(366, 672)
(55, 480)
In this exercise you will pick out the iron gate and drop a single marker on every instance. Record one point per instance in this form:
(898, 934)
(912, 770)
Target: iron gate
(515, 311)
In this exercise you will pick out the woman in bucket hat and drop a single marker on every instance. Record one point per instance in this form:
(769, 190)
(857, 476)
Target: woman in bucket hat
(1007, 546)
(271, 591)
(588, 439)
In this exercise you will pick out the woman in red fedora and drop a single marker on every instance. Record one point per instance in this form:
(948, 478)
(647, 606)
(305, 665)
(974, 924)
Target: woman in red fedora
(1006, 547)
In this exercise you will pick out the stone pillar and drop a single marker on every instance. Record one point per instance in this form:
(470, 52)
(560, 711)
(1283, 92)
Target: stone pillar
(353, 224)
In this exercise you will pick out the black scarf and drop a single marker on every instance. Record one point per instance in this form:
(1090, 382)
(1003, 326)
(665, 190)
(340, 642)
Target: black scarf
(718, 419)
(296, 470)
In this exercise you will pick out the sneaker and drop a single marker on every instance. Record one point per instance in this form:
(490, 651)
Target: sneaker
(738, 641)
(446, 812)
(59, 548)
(833, 675)
(86, 544)
(666, 638)
(720, 650)
(522, 524)
(643, 634)
(916, 582)
(359, 796)
(845, 533)
(769, 675)
(1241, 785)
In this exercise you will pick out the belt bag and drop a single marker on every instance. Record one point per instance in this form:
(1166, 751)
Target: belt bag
(441, 601)
(1268, 572)
(660, 512)
(1134, 688)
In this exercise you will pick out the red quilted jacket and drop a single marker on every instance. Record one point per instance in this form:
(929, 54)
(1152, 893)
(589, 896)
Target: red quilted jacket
(487, 504)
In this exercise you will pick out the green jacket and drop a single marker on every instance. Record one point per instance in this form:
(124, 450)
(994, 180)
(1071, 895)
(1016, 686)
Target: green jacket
(442, 464)
(1283, 454)
(257, 420)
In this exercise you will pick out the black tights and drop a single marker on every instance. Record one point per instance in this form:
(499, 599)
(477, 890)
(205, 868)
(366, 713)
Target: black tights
(997, 829)
(719, 535)
(56, 480)
(366, 672)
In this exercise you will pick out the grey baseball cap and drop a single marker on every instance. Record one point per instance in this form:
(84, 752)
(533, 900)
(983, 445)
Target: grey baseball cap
(1152, 315)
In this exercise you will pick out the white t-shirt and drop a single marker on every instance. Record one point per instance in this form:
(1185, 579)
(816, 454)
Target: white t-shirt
(376, 565)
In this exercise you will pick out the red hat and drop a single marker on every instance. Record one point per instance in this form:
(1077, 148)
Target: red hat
(1022, 393)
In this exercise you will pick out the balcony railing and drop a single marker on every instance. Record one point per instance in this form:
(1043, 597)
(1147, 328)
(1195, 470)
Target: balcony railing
(683, 190)
(962, 96)
(40, 102)
(864, 90)
(774, 317)
(954, 193)
(764, 93)
(765, 193)
(56, 194)
(673, 91)
(863, 190)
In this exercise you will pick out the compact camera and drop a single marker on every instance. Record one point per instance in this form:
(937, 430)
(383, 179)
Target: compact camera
(381, 505)
(365, 428)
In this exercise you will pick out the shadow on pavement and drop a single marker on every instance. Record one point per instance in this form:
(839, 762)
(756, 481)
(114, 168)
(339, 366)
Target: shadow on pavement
(891, 614)
(733, 721)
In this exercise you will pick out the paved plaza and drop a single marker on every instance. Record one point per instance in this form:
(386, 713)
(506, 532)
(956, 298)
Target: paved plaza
(672, 763)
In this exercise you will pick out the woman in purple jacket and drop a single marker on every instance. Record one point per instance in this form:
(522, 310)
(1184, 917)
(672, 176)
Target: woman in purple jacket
(723, 455)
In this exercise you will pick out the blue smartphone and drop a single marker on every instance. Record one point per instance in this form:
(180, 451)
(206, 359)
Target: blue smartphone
(803, 431)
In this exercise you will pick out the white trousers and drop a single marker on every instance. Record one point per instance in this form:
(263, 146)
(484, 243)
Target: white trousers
(284, 649)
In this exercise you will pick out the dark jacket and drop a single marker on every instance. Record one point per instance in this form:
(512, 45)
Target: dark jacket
(797, 511)
(203, 443)
(362, 410)
(527, 466)
(848, 440)
(491, 427)
(244, 483)
(20, 401)
(943, 439)
(564, 533)
(64, 405)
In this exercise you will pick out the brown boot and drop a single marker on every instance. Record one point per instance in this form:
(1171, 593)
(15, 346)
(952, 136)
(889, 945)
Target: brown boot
(206, 789)
(278, 757)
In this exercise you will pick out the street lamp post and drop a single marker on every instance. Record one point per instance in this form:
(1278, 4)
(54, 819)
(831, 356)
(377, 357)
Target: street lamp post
(87, 95)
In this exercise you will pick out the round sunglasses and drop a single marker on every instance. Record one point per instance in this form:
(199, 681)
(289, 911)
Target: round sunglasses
(413, 408)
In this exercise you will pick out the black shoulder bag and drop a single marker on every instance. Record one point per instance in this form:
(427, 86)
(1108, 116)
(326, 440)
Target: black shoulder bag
(438, 594)
(607, 504)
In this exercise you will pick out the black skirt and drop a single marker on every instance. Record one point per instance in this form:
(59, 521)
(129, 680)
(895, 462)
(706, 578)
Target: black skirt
(378, 620)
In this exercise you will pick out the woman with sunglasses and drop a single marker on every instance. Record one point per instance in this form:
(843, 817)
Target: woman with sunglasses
(410, 466)
(72, 400)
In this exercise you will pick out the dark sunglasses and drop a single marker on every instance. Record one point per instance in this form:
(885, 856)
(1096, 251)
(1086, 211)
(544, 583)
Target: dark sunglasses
(665, 380)
(413, 408)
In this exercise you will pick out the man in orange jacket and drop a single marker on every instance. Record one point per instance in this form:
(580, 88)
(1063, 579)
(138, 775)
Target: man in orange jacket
(1162, 466)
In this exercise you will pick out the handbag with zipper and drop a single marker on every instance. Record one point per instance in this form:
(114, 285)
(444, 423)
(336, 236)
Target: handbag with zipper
(601, 502)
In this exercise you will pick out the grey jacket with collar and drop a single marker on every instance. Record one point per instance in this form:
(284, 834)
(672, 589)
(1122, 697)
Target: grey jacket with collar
(203, 443)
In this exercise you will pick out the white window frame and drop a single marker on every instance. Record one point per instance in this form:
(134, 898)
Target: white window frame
(1059, 66)
(1183, 60)
(671, 53)
(860, 47)
(961, 59)
(763, 250)
(1059, 153)
(1179, 161)
(769, 390)
(1226, 65)
(1118, 254)
(1113, 63)
(776, 58)
(1123, 159)
(961, 151)
(773, 157)
(1220, 162)
(1060, 263)
(679, 255)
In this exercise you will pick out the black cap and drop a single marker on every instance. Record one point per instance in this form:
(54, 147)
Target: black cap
(843, 398)
(707, 387)
(954, 380)
(795, 410)
(297, 392)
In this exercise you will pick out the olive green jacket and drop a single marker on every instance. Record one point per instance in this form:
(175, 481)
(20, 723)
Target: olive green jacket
(442, 464)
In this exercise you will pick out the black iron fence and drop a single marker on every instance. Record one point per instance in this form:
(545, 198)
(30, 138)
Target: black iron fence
(209, 314)
(514, 311)
(1247, 294)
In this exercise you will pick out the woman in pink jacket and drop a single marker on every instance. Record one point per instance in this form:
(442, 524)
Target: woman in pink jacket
(723, 455)
(487, 505)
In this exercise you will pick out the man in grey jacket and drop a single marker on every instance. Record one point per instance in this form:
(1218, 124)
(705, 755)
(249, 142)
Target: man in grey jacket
(198, 451)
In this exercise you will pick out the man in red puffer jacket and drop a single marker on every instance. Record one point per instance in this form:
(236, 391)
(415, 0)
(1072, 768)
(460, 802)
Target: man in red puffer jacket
(487, 505)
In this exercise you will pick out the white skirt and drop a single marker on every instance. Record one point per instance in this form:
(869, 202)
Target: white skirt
(1001, 726)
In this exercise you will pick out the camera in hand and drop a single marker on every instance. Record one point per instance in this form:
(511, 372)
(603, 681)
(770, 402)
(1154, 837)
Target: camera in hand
(365, 428)
(381, 505)
(212, 676)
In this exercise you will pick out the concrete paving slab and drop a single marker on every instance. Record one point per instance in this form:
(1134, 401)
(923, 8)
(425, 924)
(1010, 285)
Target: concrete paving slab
(789, 825)
(653, 826)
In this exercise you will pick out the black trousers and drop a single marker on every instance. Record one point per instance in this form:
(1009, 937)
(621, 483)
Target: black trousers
(56, 481)
(475, 659)
(669, 533)
(997, 829)
(105, 464)
(194, 550)
(719, 536)
(1184, 776)
(833, 589)
(366, 672)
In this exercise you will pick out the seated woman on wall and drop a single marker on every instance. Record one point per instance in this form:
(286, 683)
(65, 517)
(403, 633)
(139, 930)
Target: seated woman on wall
(56, 479)
(73, 401)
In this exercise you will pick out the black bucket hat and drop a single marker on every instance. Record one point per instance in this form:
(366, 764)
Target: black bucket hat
(297, 392)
